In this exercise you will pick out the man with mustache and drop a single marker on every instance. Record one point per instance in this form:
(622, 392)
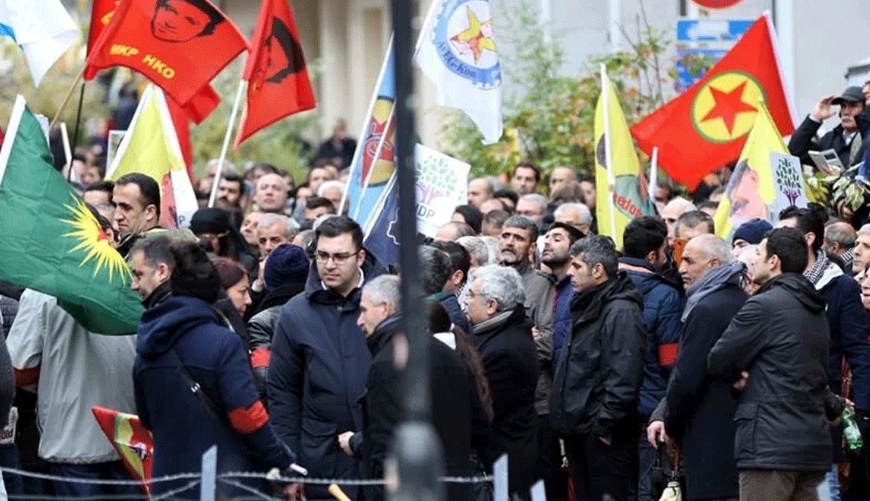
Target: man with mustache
(845, 138)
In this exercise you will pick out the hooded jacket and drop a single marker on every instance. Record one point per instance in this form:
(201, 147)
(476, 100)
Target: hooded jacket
(182, 424)
(317, 373)
(597, 381)
(662, 307)
(780, 337)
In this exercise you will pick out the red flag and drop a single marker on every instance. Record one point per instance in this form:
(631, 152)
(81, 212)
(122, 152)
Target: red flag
(131, 440)
(705, 127)
(101, 15)
(278, 83)
(179, 45)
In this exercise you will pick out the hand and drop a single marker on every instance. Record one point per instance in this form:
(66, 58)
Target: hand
(294, 491)
(741, 383)
(823, 110)
(260, 283)
(606, 440)
(655, 433)
(344, 442)
(535, 333)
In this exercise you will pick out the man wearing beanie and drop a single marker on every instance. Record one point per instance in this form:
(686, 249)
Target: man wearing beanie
(284, 275)
(749, 233)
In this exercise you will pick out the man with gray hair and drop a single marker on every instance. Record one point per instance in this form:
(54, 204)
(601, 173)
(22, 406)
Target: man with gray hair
(333, 191)
(503, 337)
(861, 256)
(274, 230)
(698, 410)
(594, 403)
(840, 241)
(532, 206)
(693, 223)
(576, 215)
(480, 189)
(672, 211)
(477, 251)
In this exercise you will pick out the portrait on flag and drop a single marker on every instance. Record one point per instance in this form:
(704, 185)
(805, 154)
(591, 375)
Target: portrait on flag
(743, 191)
(164, 40)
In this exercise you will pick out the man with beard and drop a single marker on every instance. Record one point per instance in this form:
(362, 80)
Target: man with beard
(556, 256)
(845, 139)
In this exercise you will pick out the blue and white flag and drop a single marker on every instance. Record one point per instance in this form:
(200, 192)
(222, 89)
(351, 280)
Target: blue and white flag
(374, 162)
(458, 53)
(42, 28)
(381, 231)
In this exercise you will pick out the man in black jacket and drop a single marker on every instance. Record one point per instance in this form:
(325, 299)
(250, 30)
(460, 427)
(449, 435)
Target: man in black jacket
(457, 411)
(775, 351)
(698, 411)
(845, 138)
(595, 389)
(503, 336)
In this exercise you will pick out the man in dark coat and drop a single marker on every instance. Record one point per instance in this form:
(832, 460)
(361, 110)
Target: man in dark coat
(595, 390)
(503, 336)
(775, 351)
(320, 360)
(845, 139)
(698, 411)
(457, 410)
(849, 329)
(644, 255)
(181, 344)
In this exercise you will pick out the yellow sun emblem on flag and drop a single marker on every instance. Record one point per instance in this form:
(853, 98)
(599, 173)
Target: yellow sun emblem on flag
(94, 241)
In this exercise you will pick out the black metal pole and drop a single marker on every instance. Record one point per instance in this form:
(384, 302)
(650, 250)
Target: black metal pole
(417, 458)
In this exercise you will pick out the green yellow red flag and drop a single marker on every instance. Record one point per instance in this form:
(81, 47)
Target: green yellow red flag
(50, 241)
(131, 440)
(621, 185)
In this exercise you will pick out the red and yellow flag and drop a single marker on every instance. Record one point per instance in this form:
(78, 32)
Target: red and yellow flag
(180, 45)
(278, 83)
(131, 440)
(705, 127)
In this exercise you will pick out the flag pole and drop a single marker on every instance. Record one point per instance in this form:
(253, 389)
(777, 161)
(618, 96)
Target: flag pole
(654, 173)
(608, 155)
(67, 153)
(243, 84)
(68, 96)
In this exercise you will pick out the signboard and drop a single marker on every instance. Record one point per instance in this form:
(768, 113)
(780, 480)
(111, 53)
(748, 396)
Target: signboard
(788, 181)
(708, 39)
(442, 184)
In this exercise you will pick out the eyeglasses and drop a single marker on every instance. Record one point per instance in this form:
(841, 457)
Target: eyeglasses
(340, 258)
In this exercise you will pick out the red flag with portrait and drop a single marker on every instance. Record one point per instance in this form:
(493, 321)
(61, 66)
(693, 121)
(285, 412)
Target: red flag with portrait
(101, 14)
(180, 45)
(278, 83)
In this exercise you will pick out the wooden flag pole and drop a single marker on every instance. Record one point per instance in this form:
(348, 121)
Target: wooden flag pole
(243, 85)
(68, 96)
(654, 173)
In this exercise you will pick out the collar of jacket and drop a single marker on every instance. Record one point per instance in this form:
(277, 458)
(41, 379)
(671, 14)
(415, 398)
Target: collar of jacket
(716, 279)
(637, 263)
(383, 333)
(499, 320)
(588, 304)
(157, 296)
(799, 286)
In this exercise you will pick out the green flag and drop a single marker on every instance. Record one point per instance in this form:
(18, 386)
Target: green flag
(49, 240)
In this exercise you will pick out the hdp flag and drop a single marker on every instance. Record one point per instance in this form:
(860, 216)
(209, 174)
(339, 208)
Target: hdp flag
(50, 241)
(705, 127)
(151, 147)
(278, 83)
(131, 440)
(751, 192)
(458, 53)
(617, 168)
(374, 161)
(42, 28)
(180, 45)
(381, 231)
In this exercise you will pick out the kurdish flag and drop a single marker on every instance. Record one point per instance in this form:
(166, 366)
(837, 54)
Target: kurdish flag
(131, 440)
(51, 242)
(751, 191)
(617, 168)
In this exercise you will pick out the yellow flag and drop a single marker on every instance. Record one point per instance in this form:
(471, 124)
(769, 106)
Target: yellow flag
(151, 147)
(620, 183)
(751, 193)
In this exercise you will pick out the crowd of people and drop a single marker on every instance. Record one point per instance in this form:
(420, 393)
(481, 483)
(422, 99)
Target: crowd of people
(271, 331)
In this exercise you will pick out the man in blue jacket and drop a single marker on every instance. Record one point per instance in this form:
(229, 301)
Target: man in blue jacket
(320, 360)
(849, 330)
(644, 255)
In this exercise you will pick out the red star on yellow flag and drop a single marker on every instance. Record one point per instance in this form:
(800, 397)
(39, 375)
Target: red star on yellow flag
(728, 105)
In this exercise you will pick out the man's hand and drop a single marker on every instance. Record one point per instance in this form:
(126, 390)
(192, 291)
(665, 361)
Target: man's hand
(344, 442)
(741, 383)
(655, 433)
(823, 109)
(535, 332)
(294, 491)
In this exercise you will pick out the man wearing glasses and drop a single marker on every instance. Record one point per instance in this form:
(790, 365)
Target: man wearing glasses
(320, 360)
